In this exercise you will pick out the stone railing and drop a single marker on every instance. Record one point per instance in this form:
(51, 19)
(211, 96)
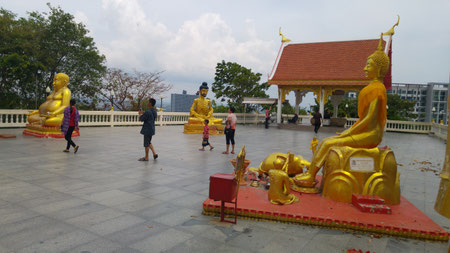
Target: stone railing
(439, 130)
(17, 118)
(400, 126)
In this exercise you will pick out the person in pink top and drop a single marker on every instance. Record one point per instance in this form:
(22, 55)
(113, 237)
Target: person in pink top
(230, 128)
(205, 141)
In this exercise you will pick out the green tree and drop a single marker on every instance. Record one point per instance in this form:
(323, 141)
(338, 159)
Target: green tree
(400, 109)
(219, 108)
(348, 108)
(233, 82)
(34, 49)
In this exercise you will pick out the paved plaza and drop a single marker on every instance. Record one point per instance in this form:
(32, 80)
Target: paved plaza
(103, 200)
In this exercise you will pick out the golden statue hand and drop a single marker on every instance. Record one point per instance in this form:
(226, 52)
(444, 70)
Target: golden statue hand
(32, 112)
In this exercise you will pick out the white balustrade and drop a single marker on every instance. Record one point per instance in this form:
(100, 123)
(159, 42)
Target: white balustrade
(18, 118)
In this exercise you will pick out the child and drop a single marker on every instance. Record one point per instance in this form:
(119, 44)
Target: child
(206, 137)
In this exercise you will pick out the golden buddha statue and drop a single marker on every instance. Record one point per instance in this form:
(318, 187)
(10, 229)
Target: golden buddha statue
(357, 146)
(201, 110)
(288, 162)
(46, 121)
(51, 112)
(280, 190)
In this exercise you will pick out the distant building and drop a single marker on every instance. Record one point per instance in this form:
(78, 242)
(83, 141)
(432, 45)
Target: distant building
(181, 102)
(431, 99)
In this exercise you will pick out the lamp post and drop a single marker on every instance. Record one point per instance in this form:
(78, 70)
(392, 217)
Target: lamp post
(112, 99)
(161, 103)
(346, 110)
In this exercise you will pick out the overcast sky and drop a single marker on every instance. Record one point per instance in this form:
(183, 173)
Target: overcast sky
(187, 39)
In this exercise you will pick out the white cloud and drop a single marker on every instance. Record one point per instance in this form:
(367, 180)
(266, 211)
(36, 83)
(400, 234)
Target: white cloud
(80, 17)
(191, 51)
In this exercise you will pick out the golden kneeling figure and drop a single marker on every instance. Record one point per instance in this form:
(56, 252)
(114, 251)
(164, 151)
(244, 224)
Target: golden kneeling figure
(280, 190)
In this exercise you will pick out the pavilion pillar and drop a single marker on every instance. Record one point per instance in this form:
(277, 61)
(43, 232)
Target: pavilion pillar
(298, 99)
(322, 101)
(279, 106)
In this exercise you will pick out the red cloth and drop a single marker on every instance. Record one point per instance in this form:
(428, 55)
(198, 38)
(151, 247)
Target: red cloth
(72, 117)
(206, 132)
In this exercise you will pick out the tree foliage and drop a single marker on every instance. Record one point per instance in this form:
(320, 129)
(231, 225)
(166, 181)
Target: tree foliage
(398, 109)
(130, 90)
(233, 82)
(35, 48)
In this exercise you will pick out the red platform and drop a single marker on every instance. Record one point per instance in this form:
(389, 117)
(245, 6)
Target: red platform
(312, 209)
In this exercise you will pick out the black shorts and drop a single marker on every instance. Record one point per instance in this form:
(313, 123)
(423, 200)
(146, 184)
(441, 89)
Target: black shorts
(205, 142)
(147, 140)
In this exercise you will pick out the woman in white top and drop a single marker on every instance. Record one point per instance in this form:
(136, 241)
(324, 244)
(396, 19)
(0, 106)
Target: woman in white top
(230, 128)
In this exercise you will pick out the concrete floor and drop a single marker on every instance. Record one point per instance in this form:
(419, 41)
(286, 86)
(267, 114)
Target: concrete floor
(103, 200)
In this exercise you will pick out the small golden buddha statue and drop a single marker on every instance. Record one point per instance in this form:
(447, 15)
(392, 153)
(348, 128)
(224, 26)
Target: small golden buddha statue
(280, 190)
(368, 131)
(202, 109)
(51, 112)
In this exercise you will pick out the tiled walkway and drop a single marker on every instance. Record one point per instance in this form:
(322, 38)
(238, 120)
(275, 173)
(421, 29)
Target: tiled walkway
(103, 200)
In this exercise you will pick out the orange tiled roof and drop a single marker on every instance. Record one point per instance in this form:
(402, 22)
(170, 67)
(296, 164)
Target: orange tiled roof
(324, 63)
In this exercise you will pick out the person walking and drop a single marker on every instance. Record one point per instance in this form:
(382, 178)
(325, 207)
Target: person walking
(267, 116)
(148, 128)
(205, 141)
(230, 128)
(70, 123)
(317, 121)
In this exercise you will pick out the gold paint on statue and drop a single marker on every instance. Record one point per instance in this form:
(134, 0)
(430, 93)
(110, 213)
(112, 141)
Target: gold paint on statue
(314, 143)
(288, 162)
(442, 204)
(361, 140)
(51, 112)
(201, 110)
(280, 191)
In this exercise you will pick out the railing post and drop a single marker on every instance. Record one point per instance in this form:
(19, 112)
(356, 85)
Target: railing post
(111, 118)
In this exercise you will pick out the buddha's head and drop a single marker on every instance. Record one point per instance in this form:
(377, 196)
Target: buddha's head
(204, 89)
(61, 80)
(377, 63)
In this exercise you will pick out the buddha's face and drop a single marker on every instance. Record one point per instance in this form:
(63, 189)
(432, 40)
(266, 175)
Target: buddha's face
(371, 69)
(203, 92)
(59, 82)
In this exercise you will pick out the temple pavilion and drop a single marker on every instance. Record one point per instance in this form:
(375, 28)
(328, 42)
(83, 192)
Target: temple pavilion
(329, 69)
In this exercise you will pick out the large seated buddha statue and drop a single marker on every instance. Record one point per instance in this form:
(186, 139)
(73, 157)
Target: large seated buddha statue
(201, 110)
(46, 121)
(351, 160)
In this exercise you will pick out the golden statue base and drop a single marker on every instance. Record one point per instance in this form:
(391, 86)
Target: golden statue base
(371, 172)
(46, 131)
(198, 129)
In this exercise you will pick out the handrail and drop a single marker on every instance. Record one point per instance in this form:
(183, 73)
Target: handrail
(18, 118)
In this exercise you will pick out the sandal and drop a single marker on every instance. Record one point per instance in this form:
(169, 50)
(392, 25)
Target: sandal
(232, 152)
(225, 152)
(211, 148)
(75, 149)
(155, 156)
(143, 159)
(66, 150)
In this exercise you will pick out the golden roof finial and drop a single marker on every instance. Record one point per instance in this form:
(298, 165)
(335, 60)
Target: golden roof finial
(283, 39)
(380, 43)
(391, 31)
